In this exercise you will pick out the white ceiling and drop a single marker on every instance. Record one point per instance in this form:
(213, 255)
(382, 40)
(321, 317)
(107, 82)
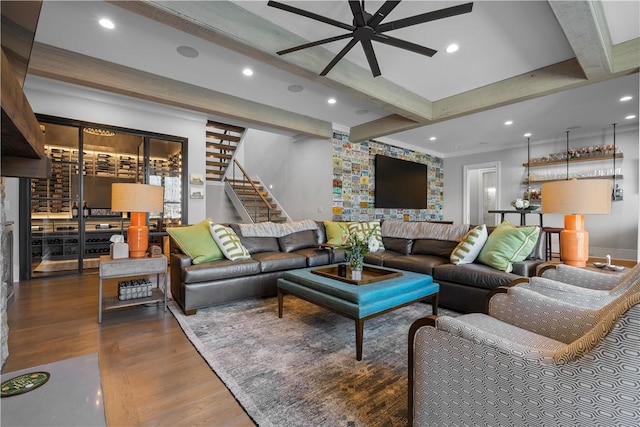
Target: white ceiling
(498, 40)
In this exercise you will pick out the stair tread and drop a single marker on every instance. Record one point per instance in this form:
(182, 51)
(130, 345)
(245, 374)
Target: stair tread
(223, 136)
(218, 125)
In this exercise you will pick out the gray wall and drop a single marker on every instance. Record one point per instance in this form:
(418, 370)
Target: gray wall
(615, 234)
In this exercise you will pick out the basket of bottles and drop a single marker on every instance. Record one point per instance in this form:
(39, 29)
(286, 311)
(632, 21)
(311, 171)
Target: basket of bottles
(132, 289)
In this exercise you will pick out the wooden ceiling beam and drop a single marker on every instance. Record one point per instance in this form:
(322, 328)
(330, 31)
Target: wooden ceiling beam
(585, 27)
(59, 64)
(229, 25)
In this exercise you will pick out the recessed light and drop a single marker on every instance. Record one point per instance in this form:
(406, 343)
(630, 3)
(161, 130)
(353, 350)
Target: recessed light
(626, 98)
(247, 72)
(187, 51)
(107, 23)
(295, 88)
(508, 123)
(631, 116)
(452, 48)
(332, 101)
(362, 112)
(527, 135)
(433, 138)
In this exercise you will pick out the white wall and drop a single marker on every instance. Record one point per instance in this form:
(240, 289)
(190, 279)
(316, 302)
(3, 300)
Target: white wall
(298, 170)
(615, 234)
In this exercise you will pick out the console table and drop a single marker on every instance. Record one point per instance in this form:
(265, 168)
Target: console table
(127, 267)
(522, 214)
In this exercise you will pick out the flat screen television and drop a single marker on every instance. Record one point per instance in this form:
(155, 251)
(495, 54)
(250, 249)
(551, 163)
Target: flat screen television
(400, 184)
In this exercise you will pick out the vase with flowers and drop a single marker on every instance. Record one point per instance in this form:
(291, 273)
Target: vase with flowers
(358, 245)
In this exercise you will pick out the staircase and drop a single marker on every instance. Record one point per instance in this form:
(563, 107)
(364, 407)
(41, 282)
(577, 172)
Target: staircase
(222, 141)
(255, 202)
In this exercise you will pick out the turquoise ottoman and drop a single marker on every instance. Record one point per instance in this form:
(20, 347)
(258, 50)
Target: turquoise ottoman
(358, 302)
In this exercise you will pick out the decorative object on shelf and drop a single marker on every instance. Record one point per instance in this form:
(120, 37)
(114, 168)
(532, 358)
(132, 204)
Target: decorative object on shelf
(99, 132)
(575, 198)
(527, 192)
(358, 245)
(133, 289)
(523, 205)
(137, 199)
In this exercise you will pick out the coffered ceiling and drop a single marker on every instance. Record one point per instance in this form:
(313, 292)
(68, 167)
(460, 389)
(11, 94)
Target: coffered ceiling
(545, 66)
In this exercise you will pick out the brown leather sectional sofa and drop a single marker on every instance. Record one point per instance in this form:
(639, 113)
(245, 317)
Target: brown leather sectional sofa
(462, 287)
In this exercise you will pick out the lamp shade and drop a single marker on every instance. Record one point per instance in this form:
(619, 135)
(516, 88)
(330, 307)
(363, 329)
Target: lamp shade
(588, 196)
(136, 197)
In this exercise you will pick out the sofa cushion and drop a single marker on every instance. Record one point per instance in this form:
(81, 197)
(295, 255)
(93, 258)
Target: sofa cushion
(470, 246)
(278, 261)
(314, 256)
(380, 257)
(229, 242)
(477, 275)
(299, 240)
(337, 232)
(219, 270)
(395, 244)
(508, 244)
(417, 263)
(441, 248)
(196, 241)
(260, 244)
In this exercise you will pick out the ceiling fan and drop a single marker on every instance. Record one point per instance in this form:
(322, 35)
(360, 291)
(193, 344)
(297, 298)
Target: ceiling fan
(368, 27)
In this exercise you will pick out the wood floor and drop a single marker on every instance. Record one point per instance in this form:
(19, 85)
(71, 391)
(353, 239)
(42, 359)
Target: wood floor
(151, 374)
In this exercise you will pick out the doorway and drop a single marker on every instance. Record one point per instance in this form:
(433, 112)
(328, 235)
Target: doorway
(481, 193)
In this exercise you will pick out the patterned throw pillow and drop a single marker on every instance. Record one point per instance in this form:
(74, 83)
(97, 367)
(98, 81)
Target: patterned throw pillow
(196, 242)
(365, 228)
(229, 242)
(470, 246)
(508, 244)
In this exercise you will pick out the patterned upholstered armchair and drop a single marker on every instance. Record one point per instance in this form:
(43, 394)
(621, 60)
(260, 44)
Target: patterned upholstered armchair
(580, 287)
(478, 370)
(588, 279)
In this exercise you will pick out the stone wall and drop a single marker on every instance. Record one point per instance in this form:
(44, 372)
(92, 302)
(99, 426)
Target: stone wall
(4, 291)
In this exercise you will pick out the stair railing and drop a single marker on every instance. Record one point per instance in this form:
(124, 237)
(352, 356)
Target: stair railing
(247, 179)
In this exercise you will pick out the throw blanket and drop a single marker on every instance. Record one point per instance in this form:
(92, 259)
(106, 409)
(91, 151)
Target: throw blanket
(424, 230)
(273, 229)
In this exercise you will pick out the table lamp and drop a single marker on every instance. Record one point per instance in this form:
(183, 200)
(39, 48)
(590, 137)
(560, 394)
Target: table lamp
(575, 198)
(137, 199)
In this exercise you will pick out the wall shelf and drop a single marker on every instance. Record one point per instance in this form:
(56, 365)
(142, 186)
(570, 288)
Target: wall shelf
(573, 160)
(540, 181)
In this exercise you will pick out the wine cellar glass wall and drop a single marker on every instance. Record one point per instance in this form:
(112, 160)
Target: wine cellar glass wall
(71, 220)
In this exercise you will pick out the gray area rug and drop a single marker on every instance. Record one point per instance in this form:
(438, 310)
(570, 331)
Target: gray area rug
(302, 370)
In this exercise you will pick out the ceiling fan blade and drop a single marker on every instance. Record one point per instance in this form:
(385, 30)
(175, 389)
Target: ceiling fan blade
(382, 13)
(312, 44)
(358, 13)
(339, 56)
(425, 17)
(310, 15)
(403, 44)
(371, 57)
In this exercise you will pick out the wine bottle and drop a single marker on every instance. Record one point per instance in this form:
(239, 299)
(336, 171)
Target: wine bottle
(74, 210)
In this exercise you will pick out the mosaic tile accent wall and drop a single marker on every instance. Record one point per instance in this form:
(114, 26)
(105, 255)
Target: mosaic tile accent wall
(354, 181)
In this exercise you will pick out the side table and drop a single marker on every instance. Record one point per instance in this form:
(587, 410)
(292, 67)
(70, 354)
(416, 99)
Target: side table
(126, 267)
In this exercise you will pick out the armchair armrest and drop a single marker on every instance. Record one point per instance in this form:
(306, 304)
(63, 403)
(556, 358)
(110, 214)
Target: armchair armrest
(580, 277)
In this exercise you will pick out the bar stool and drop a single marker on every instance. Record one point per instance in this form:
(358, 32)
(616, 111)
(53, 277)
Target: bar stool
(548, 244)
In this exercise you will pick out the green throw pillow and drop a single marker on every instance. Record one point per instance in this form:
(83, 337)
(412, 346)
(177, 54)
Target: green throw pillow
(337, 232)
(365, 228)
(508, 244)
(470, 246)
(229, 242)
(196, 241)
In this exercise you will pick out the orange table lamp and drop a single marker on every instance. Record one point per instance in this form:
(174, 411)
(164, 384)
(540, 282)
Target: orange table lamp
(575, 198)
(137, 199)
